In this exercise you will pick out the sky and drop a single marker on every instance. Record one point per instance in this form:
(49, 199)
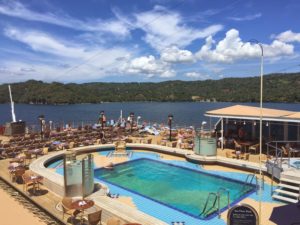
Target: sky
(146, 41)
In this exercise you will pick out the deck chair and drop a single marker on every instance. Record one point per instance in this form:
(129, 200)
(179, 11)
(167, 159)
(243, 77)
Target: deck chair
(95, 217)
(18, 174)
(237, 146)
(254, 148)
(120, 148)
(45, 150)
(26, 181)
(67, 208)
(71, 144)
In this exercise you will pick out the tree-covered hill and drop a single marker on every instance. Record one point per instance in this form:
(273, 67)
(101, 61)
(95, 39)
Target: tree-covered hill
(277, 88)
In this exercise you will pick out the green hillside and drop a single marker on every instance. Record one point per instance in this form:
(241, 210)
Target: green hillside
(277, 88)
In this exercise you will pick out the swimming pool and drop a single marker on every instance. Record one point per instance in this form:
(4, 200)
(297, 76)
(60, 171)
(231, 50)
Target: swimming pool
(183, 189)
(295, 163)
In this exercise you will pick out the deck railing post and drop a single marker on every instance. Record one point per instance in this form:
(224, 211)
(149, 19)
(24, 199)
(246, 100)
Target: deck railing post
(272, 179)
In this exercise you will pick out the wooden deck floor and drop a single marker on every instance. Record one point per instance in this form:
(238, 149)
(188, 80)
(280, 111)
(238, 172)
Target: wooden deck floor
(46, 201)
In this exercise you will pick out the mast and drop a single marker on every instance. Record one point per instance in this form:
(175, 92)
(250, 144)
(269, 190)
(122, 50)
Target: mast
(13, 115)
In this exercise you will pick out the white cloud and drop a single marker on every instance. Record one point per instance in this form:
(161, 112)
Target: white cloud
(148, 66)
(176, 55)
(232, 48)
(61, 60)
(168, 74)
(288, 36)
(43, 42)
(165, 28)
(197, 75)
(19, 10)
(246, 18)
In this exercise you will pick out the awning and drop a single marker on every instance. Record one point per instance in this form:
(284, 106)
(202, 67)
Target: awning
(253, 113)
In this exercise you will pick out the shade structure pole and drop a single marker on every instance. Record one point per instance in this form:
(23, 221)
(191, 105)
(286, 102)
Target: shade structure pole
(222, 134)
(260, 128)
(260, 123)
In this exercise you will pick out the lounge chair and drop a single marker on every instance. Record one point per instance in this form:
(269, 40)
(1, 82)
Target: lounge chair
(237, 146)
(95, 217)
(254, 148)
(66, 204)
(120, 148)
(71, 144)
(26, 181)
(28, 157)
(45, 150)
(17, 175)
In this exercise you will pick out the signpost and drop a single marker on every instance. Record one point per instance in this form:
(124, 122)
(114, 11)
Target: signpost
(242, 214)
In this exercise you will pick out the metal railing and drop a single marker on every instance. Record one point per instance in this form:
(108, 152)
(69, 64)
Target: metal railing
(207, 201)
(249, 179)
(216, 199)
(276, 146)
(222, 190)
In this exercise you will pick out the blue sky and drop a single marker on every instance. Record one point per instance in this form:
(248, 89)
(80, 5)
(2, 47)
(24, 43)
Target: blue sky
(146, 41)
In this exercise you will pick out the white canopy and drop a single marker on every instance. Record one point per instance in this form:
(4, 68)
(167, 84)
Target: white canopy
(253, 113)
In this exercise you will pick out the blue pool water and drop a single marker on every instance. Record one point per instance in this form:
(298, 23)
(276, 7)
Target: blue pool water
(180, 188)
(295, 163)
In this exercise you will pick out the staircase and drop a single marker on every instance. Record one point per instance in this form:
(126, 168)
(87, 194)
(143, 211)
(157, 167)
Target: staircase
(288, 190)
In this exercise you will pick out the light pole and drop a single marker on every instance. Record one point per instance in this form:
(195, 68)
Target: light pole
(102, 119)
(260, 121)
(170, 118)
(41, 118)
(131, 115)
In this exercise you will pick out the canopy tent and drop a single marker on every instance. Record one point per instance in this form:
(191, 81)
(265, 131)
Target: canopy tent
(243, 112)
(253, 113)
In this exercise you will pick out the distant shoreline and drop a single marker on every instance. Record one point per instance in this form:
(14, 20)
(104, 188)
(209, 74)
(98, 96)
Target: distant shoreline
(90, 103)
(281, 88)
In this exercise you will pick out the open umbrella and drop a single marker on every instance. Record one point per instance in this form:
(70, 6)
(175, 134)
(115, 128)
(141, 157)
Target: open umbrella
(286, 215)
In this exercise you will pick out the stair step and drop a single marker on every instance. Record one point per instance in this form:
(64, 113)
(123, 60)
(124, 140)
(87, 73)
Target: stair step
(287, 193)
(289, 186)
(290, 181)
(286, 199)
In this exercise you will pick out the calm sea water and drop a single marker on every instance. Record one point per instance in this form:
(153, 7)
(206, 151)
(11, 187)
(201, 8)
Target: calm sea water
(185, 113)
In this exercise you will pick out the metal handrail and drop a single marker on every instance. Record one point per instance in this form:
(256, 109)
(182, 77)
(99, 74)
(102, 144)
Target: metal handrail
(279, 151)
(221, 189)
(207, 200)
(251, 176)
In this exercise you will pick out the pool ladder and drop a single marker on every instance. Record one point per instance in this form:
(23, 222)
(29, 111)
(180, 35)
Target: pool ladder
(216, 199)
(250, 178)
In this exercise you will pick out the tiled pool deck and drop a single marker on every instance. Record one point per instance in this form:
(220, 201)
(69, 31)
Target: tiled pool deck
(170, 215)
